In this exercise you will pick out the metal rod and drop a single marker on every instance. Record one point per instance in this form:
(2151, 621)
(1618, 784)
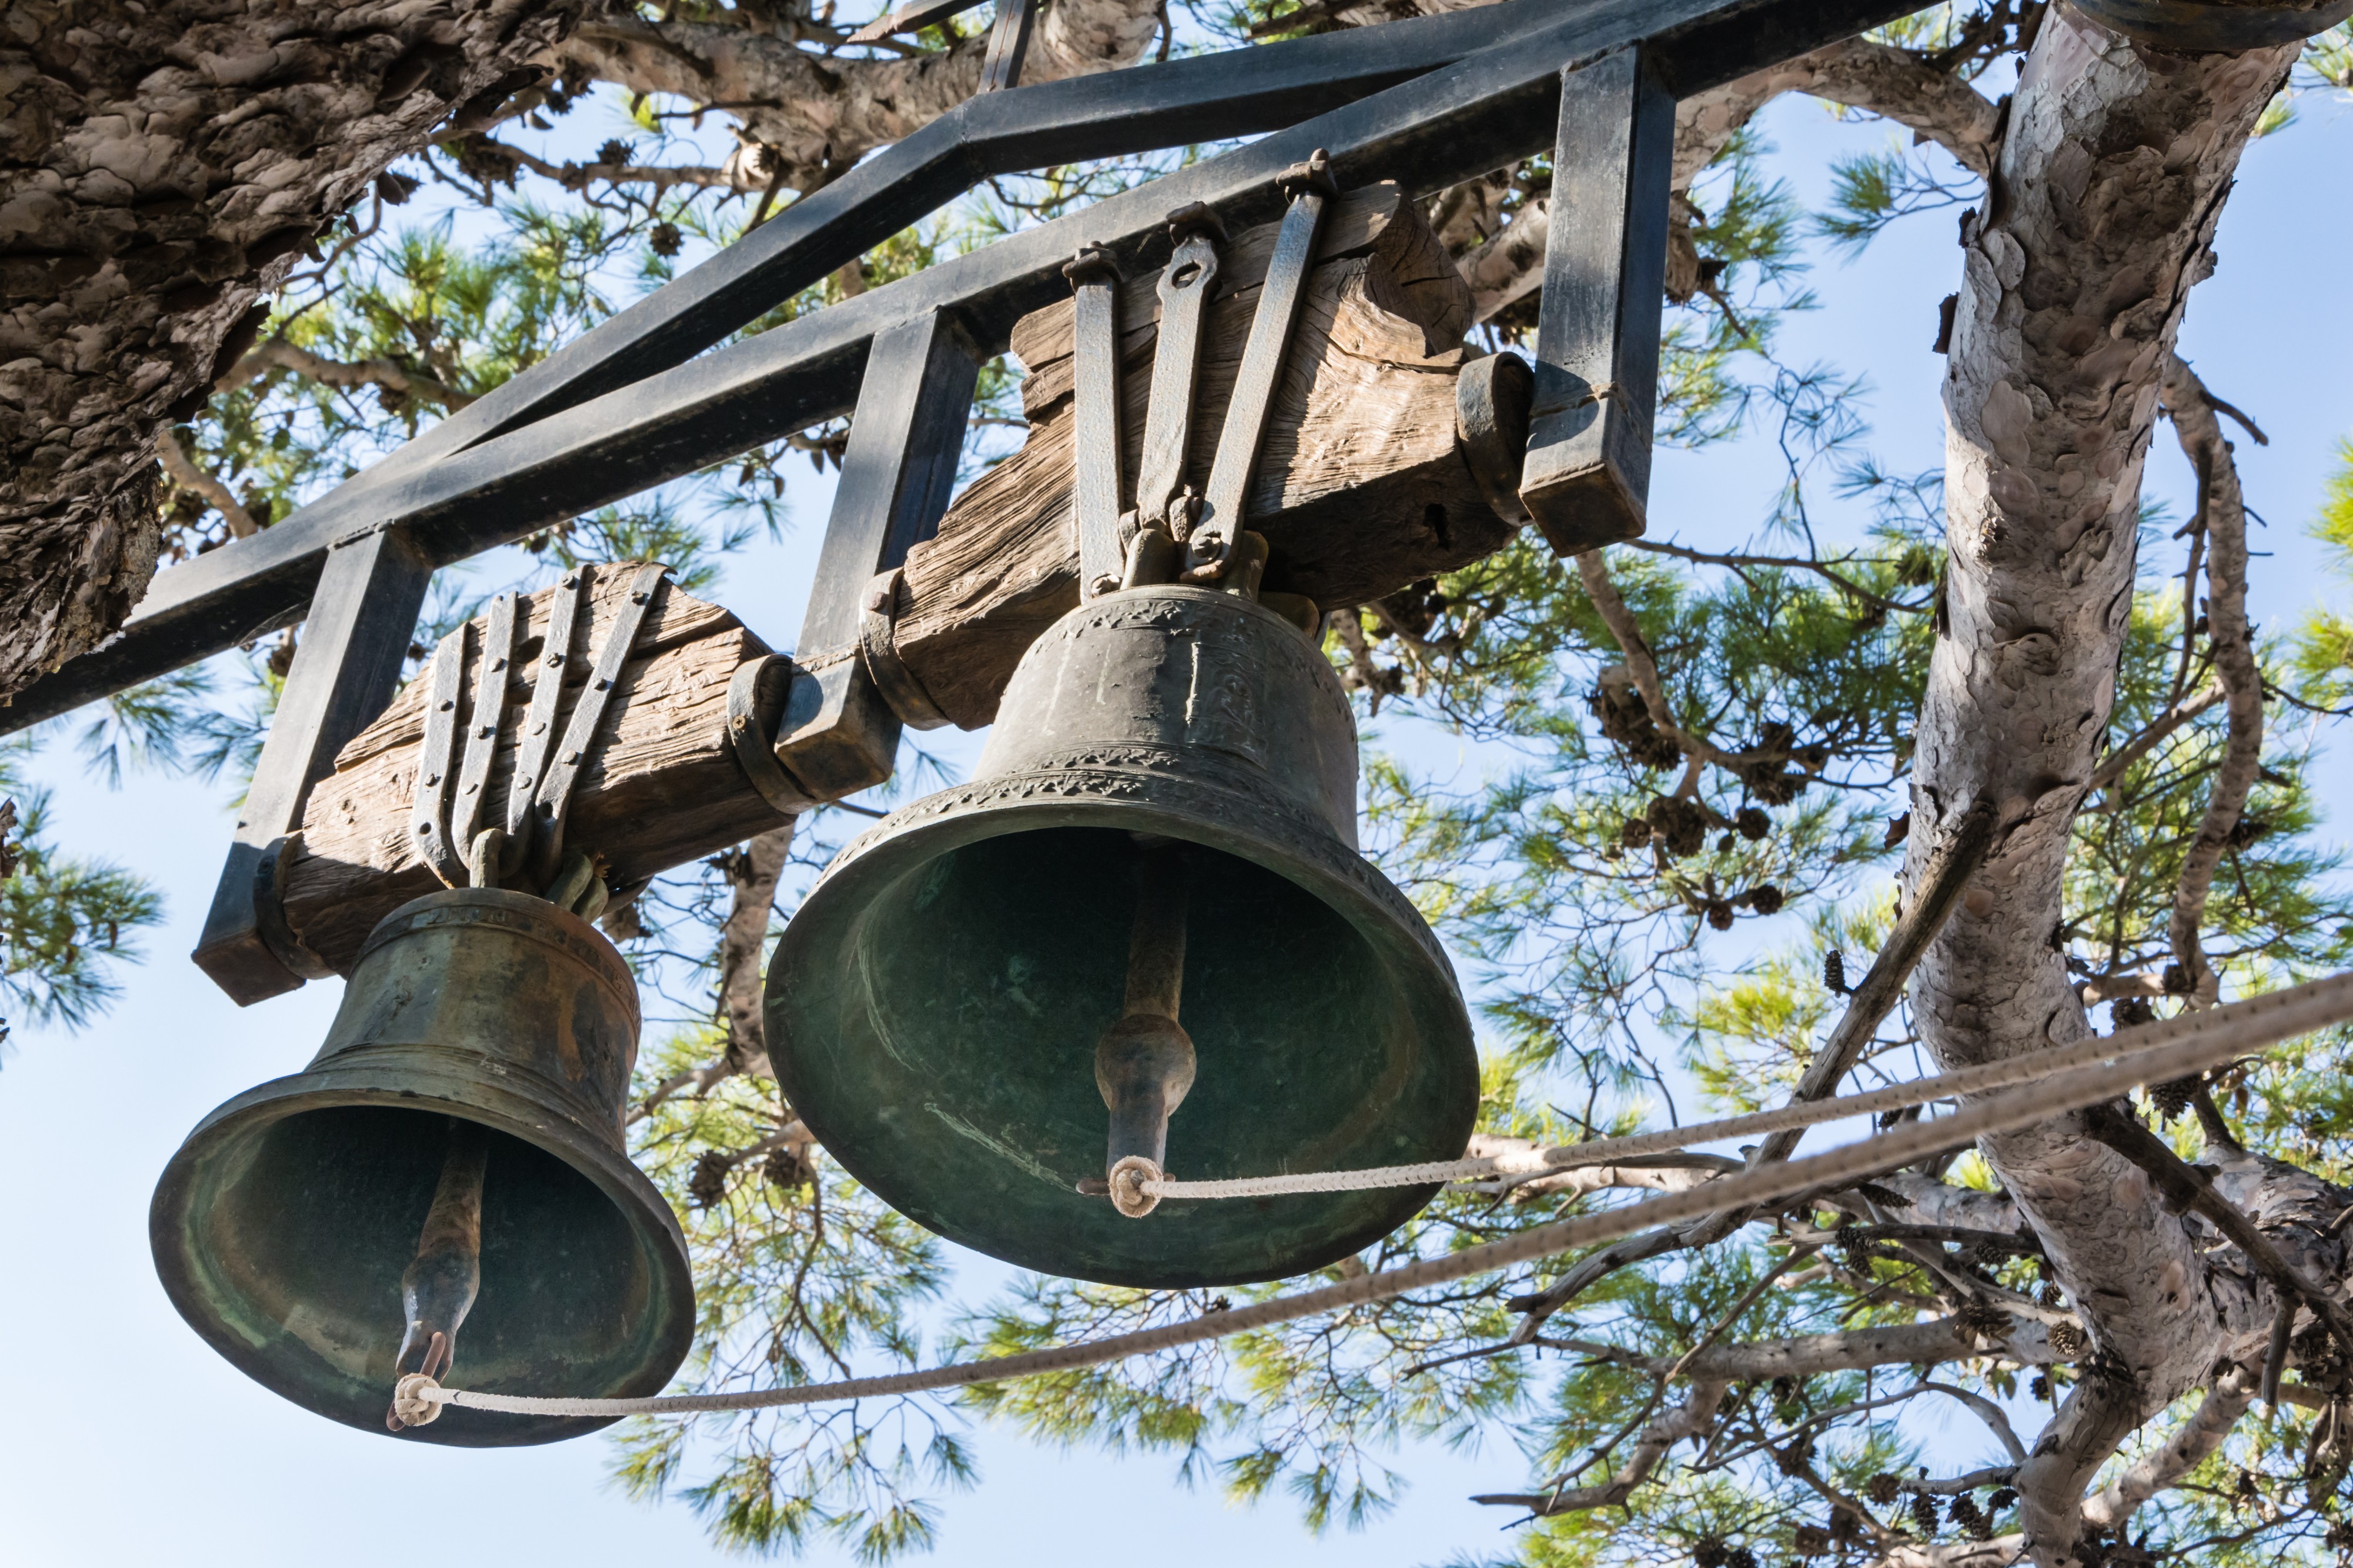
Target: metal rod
(439, 1287)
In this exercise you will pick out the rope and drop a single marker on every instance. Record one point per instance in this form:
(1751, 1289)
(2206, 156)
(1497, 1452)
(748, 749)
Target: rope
(2185, 1046)
(2007, 1074)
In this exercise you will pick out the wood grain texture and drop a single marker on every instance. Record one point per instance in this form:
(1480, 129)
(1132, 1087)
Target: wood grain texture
(1359, 487)
(660, 790)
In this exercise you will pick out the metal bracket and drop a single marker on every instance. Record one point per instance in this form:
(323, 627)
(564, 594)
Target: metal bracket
(1211, 541)
(755, 701)
(1162, 500)
(878, 645)
(355, 639)
(1095, 392)
(483, 724)
(1492, 399)
(553, 801)
(437, 758)
(1008, 44)
(1587, 479)
(539, 724)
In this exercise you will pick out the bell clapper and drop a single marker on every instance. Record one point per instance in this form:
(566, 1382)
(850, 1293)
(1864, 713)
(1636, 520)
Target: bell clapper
(438, 1288)
(1144, 1063)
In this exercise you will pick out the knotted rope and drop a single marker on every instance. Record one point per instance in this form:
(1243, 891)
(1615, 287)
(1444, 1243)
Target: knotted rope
(2055, 1081)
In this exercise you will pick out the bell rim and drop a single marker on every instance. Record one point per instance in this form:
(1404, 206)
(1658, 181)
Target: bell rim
(1372, 905)
(609, 1170)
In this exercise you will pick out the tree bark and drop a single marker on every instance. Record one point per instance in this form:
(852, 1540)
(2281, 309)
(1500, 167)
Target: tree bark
(163, 168)
(2101, 209)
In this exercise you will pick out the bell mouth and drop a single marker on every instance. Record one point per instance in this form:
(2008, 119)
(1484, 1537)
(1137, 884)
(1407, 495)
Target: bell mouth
(935, 1009)
(281, 1226)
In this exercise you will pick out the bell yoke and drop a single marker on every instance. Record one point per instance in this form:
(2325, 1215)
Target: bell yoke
(1140, 936)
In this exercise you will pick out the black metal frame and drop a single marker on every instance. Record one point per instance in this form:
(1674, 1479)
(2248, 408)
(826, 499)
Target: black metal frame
(651, 395)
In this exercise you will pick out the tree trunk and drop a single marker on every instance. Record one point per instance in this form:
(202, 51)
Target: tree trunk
(166, 166)
(2101, 209)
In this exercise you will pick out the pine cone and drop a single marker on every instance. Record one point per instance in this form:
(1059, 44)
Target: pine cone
(1845, 1523)
(1970, 1519)
(1740, 1557)
(1635, 832)
(2041, 1387)
(1794, 1458)
(1834, 971)
(1988, 1253)
(786, 1171)
(1719, 914)
(1764, 899)
(1881, 1489)
(1810, 1541)
(1924, 1515)
(613, 154)
(1983, 1319)
(2053, 1297)
(2131, 1012)
(2173, 1097)
(666, 239)
(2002, 1499)
(708, 1185)
(2068, 1340)
(1707, 1552)
(1680, 824)
(1751, 824)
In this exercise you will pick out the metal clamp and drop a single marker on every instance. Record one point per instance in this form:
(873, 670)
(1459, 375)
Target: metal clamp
(877, 645)
(482, 726)
(539, 724)
(755, 701)
(1210, 544)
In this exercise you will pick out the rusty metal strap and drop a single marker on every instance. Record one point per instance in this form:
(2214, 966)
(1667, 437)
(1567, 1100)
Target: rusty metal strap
(878, 644)
(2195, 27)
(482, 725)
(1094, 354)
(756, 700)
(546, 697)
(553, 801)
(429, 815)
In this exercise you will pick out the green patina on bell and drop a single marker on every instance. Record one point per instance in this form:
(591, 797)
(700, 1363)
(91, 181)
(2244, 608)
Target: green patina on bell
(1144, 915)
(470, 1089)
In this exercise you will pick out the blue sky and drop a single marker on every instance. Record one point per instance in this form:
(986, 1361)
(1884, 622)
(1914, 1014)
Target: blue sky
(130, 1443)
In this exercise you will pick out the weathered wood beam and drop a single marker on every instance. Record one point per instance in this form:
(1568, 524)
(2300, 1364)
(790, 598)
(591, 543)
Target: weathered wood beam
(1361, 487)
(662, 788)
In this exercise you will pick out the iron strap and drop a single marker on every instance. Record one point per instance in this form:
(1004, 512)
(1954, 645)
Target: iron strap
(1094, 356)
(1185, 285)
(483, 723)
(878, 648)
(546, 697)
(553, 800)
(756, 700)
(430, 813)
(1008, 44)
(1309, 184)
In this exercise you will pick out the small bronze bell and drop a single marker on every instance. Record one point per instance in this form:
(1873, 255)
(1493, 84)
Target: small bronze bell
(453, 1155)
(1145, 913)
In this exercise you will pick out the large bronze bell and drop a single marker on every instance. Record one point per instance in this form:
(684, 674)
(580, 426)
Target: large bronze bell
(1145, 916)
(451, 1162)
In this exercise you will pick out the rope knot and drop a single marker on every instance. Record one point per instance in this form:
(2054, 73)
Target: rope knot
(410, 1407)
(1127, 1187)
